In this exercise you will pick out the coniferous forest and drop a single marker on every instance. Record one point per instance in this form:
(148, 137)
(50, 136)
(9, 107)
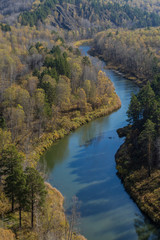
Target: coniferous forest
(48, 89)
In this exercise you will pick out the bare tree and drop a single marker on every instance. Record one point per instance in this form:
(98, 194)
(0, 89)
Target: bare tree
(73, 219)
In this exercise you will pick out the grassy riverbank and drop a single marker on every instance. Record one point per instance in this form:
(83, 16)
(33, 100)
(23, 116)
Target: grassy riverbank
(67, 92)
(71, 123)
(131, 161)
(136, 78)
(83, 42)
(51, 218)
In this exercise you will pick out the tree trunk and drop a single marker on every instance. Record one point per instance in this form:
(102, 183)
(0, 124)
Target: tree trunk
(32, 215)
(0, 181)
(12, 202)
(149, 159)
(20, 217)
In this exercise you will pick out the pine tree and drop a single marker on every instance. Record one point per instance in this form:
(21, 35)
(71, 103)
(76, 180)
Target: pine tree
(134, 110)
(10, 162)
(21, 191)
(35, 191)
(147, 96)
(146, 139)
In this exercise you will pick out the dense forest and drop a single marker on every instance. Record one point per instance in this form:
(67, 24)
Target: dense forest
(83, 18)
(138, 158)
(119, 15)
(134, 52)
(40, 81)
(151, 6)
(93, 15)
(47, 89)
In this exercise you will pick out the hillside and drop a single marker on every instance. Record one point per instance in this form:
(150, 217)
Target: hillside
(90, 14)
(10, 9)
(151, 6)
(133, 52)
(79, 16)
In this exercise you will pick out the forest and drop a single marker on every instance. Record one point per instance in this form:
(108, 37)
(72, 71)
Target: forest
(84, 18)
(108, 13)
(48, 89)
(134, 52)
(138, 158)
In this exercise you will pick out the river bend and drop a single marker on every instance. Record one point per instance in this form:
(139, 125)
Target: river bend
(83, 164)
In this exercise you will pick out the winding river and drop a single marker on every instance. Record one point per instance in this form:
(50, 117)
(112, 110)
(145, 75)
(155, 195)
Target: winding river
(83, 164)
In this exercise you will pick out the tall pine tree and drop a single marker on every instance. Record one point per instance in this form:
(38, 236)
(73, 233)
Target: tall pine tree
(35, 191)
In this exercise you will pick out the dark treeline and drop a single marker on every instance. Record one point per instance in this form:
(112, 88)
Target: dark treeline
(5, 27)
(24, 188)
(143, 115)
(138, 159)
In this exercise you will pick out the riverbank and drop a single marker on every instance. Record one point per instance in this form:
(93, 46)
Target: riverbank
(87, 160)
(54, 200)
(143, 189)
(69, 125)
(120, 68)
(54, 197)
(86, 42)
(110, 65)
(49, 221)
(68, 121)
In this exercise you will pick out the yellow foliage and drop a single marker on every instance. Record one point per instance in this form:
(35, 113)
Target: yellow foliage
(4, 203)
(6, 234)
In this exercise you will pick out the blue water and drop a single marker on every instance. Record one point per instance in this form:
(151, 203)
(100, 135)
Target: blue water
(83, 164)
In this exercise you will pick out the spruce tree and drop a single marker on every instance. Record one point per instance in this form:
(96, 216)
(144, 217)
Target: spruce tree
(146, 139)
(10, 162)
(134, 110)
(35, 190)
(21, 191)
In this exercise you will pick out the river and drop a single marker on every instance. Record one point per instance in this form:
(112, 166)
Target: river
(83, 164)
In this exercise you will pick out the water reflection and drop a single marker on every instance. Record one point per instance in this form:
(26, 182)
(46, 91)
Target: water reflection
(84, 136)
(55, 155)
(145, 230)
(92, 129)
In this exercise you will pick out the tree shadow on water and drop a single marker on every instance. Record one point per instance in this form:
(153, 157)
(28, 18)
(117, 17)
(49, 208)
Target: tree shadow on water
(145, 229)
(94, 170)
(95, 161)
(101, 189)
